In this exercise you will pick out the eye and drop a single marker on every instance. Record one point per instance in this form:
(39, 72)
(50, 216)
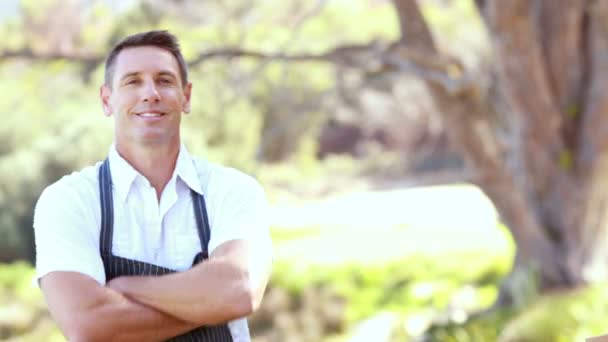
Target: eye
(165, 81)
(132, 81)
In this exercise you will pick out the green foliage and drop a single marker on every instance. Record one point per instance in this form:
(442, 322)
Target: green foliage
(458, 29)
(405, 285)
(16, 279)
(12, 37)
(23, 311)
(447, 18)
(358, 22)
(562, 316)
(484, 328)
(565, 316)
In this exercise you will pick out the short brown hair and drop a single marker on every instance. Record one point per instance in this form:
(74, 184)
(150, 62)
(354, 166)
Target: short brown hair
(162, 39)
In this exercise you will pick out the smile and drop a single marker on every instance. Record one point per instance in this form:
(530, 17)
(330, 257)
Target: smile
(150, 114)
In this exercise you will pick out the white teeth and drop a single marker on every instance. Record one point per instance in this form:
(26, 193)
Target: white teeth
(150, 114)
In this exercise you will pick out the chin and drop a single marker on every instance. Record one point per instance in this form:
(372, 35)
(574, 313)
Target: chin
(156, 139)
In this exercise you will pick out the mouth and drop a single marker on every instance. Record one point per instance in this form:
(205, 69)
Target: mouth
(152, 114)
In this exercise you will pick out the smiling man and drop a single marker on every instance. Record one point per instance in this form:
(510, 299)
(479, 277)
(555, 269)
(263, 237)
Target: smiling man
(153, 243)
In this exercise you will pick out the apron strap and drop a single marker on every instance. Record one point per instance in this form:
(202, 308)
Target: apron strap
(107, 209)
(202, 225)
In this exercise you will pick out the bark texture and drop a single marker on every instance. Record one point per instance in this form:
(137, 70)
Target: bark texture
(549, 177)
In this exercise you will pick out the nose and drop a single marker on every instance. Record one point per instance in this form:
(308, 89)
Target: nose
(150, 93)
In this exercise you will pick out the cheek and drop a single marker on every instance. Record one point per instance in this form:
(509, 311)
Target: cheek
(124, 104)
(174, 97)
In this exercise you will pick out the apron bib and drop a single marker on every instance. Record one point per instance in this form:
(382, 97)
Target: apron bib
(117, 266)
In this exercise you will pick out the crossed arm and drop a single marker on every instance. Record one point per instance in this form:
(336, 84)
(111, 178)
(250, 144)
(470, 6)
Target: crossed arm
(223, 288)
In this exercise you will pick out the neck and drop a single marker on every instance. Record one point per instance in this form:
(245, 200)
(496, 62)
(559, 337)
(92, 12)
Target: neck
(156, 163)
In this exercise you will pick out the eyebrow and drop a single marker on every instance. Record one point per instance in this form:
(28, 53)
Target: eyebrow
(129, 74)
(167, 73)
(160, 73)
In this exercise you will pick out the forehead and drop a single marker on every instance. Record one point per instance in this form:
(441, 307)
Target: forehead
(145, 59)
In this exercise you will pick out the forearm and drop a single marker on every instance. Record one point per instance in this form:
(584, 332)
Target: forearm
(213, 292)
(121, 319)
(227, 286)
(86, 311)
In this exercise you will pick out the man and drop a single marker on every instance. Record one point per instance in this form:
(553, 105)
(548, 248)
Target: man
(116, 241)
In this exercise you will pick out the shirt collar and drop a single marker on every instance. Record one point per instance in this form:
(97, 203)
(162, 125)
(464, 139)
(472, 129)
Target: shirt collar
(186, 170)
(123, 174)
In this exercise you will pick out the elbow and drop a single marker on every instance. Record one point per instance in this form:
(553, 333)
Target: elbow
(247, 299)
(250, 296)
(82, 330)
(245, 303)
(255, 299)
(237, 304)
(241, 297)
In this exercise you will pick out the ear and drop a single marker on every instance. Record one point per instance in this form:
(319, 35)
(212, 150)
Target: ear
(187, 94)
(104, 93)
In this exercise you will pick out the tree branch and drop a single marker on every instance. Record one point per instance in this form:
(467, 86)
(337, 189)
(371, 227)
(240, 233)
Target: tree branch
(453, 86)
(440, 70)
(230, 53)
(27, 53)
(412, 27)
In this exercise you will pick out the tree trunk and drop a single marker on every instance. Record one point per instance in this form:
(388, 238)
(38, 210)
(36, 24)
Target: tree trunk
(591, 252)
(551, 61)
(547, 178)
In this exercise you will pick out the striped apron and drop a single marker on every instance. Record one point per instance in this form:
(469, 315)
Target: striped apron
(117, 266)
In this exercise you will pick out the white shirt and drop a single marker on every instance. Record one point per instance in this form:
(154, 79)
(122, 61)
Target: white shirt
(67, 219)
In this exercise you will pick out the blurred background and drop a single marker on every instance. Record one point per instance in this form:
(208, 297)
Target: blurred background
(436, 169)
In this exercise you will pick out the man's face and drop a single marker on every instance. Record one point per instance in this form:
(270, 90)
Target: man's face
(146, 97)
